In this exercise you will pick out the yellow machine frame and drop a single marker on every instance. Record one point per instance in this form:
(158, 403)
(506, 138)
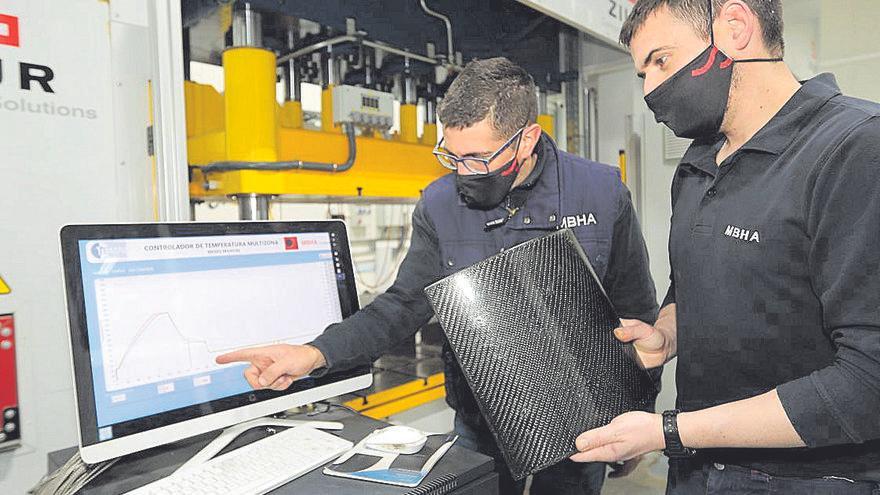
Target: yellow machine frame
(246, 124)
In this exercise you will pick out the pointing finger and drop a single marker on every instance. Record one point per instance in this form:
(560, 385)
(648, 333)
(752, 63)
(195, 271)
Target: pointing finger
(236, 356)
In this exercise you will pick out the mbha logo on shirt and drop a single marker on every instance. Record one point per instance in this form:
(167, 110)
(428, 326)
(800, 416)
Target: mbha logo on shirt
(743, 234)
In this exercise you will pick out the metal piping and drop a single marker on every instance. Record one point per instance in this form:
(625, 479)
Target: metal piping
(249, 22)
(315, 47)
(247, 27)
(354, 39)
(329, 68)
(290, 165)
(451, 53)
(430, 110)
(368, 71)
(253, 207)
(430, 104)
(293, 89)
(541, 96)
(409, 84)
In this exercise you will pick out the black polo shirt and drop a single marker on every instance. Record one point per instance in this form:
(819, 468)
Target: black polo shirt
(775, 259)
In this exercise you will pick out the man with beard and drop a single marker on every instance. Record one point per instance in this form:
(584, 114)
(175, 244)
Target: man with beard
(774, 307)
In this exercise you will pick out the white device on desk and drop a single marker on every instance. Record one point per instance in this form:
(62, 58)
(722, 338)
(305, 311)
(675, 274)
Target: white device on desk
(396, 440)
(255, 468)
(151, 305)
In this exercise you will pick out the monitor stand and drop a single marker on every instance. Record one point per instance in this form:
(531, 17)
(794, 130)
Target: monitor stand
(230, 434)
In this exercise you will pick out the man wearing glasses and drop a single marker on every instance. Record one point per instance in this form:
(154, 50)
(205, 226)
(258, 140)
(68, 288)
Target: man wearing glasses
(509, 184)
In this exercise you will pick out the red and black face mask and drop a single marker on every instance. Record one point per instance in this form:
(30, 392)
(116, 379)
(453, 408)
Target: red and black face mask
(692, 102)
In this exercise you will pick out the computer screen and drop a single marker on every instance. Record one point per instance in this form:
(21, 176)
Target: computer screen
(151, 306)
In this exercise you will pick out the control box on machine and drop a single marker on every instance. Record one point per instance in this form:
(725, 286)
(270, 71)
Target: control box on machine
(363, 107)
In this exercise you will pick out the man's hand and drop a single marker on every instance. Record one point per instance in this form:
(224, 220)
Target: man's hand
(650, 344)
(654, 345)
(276, 366)
(627, 437)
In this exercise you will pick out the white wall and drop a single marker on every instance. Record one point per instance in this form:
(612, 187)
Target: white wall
(600, 18)
(614, 108)
(801, 19)
(849, 45)
(60, 169)
(837, 36)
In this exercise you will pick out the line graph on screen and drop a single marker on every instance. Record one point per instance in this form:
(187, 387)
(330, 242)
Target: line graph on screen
(165, 326)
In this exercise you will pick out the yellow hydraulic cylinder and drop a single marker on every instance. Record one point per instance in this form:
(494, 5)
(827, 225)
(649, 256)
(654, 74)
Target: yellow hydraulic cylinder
(409, 132)
(327, 111)
(429, 135)
(546, 123)
(292, 114)
(251, 134)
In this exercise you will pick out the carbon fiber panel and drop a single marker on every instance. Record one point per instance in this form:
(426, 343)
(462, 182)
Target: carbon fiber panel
(532, 330)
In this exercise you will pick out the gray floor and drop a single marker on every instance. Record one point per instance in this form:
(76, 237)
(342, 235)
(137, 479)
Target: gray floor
(649, 478)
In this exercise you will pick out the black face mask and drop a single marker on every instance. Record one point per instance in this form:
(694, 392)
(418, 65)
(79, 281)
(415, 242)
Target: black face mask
(692, 102)
(486, 191)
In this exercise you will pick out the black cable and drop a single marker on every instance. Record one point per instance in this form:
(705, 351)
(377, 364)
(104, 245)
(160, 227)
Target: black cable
(329, 406)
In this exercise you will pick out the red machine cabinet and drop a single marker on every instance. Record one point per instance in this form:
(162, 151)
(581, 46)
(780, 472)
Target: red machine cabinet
(10, 434)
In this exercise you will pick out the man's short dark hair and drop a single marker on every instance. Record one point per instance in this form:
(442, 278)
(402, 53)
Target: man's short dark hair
(696, 12)
(495, 88)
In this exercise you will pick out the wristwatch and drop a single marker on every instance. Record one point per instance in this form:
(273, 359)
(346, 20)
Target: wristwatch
(674, 448)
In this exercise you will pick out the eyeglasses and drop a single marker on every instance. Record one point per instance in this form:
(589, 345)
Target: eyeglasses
(474, 165)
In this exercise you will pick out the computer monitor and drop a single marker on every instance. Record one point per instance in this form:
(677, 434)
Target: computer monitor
(151, 305)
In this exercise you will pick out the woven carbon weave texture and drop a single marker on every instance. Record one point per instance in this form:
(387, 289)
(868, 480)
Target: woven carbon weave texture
(532, 330)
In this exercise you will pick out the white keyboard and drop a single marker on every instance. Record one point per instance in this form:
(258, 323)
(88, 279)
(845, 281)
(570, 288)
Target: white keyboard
(256, 468)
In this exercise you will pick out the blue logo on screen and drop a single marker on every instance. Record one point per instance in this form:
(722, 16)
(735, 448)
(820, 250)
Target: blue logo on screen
(103, 250)
(97, 250)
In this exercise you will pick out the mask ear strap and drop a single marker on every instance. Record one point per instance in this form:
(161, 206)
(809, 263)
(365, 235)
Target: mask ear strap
(745, 61)
(712, 39)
